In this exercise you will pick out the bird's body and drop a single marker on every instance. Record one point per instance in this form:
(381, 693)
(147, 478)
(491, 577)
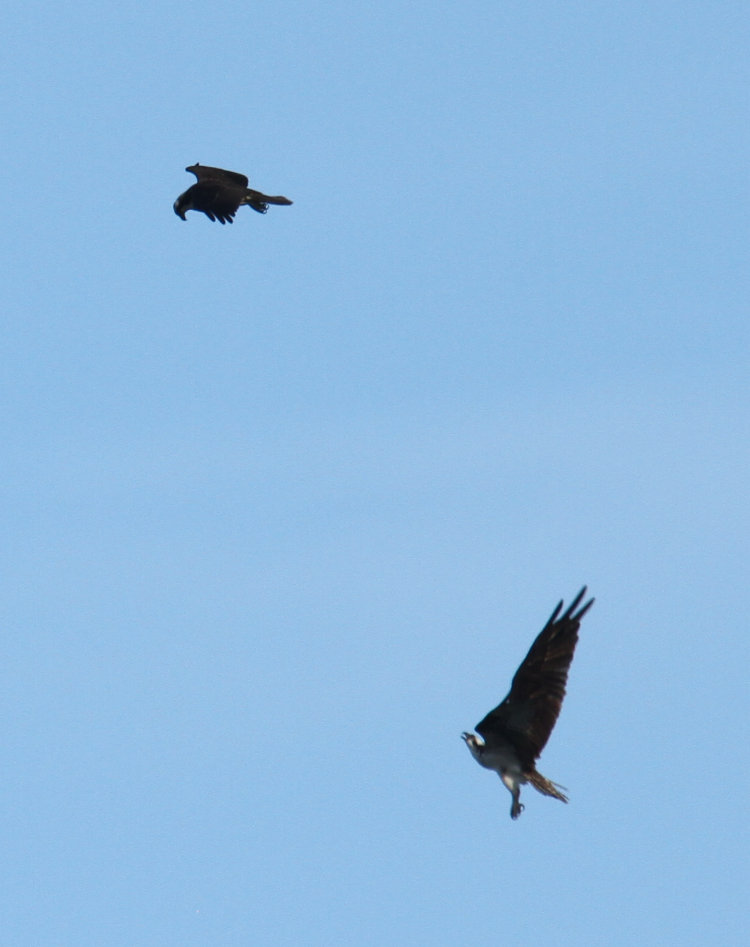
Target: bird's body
(513, 735)
(219, 194)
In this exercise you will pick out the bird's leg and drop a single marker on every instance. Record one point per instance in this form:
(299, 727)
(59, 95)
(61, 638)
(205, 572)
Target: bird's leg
(514, 788)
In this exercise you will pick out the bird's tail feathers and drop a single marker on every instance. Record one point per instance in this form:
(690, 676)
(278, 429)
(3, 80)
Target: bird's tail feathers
(260, 201)
(545, 786)
(274, 200)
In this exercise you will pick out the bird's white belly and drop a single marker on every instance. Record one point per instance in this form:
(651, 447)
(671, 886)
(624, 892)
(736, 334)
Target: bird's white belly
(503, 759)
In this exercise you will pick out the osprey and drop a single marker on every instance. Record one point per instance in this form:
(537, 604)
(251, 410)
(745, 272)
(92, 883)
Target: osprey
(220, 193)
(515, 732)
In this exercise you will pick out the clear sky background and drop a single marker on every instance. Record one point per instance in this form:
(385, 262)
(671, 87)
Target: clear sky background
(285, 502)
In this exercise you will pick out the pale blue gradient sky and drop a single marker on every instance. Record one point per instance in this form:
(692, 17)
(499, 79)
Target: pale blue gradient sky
(285, 503)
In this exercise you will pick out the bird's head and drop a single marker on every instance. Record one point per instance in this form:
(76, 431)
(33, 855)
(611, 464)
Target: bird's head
(180, 206)
(474, 744)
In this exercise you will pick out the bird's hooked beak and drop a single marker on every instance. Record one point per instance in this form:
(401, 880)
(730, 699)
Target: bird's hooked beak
(465, 737)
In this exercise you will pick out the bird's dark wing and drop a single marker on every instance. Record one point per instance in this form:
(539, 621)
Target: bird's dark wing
(204, 173)
(217, 201)
(528, 714)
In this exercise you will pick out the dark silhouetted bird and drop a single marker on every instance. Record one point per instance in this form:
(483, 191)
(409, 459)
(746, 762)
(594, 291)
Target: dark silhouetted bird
(515, 732)
(219, 194)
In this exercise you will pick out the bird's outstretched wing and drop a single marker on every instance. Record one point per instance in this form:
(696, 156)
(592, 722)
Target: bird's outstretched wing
(204, 173)
(529, 712)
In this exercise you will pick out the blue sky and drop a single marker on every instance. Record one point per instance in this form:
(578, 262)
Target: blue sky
(285, 503)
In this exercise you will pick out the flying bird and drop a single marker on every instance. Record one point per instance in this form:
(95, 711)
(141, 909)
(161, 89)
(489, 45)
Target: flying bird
(513, 735)
(219, 194)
